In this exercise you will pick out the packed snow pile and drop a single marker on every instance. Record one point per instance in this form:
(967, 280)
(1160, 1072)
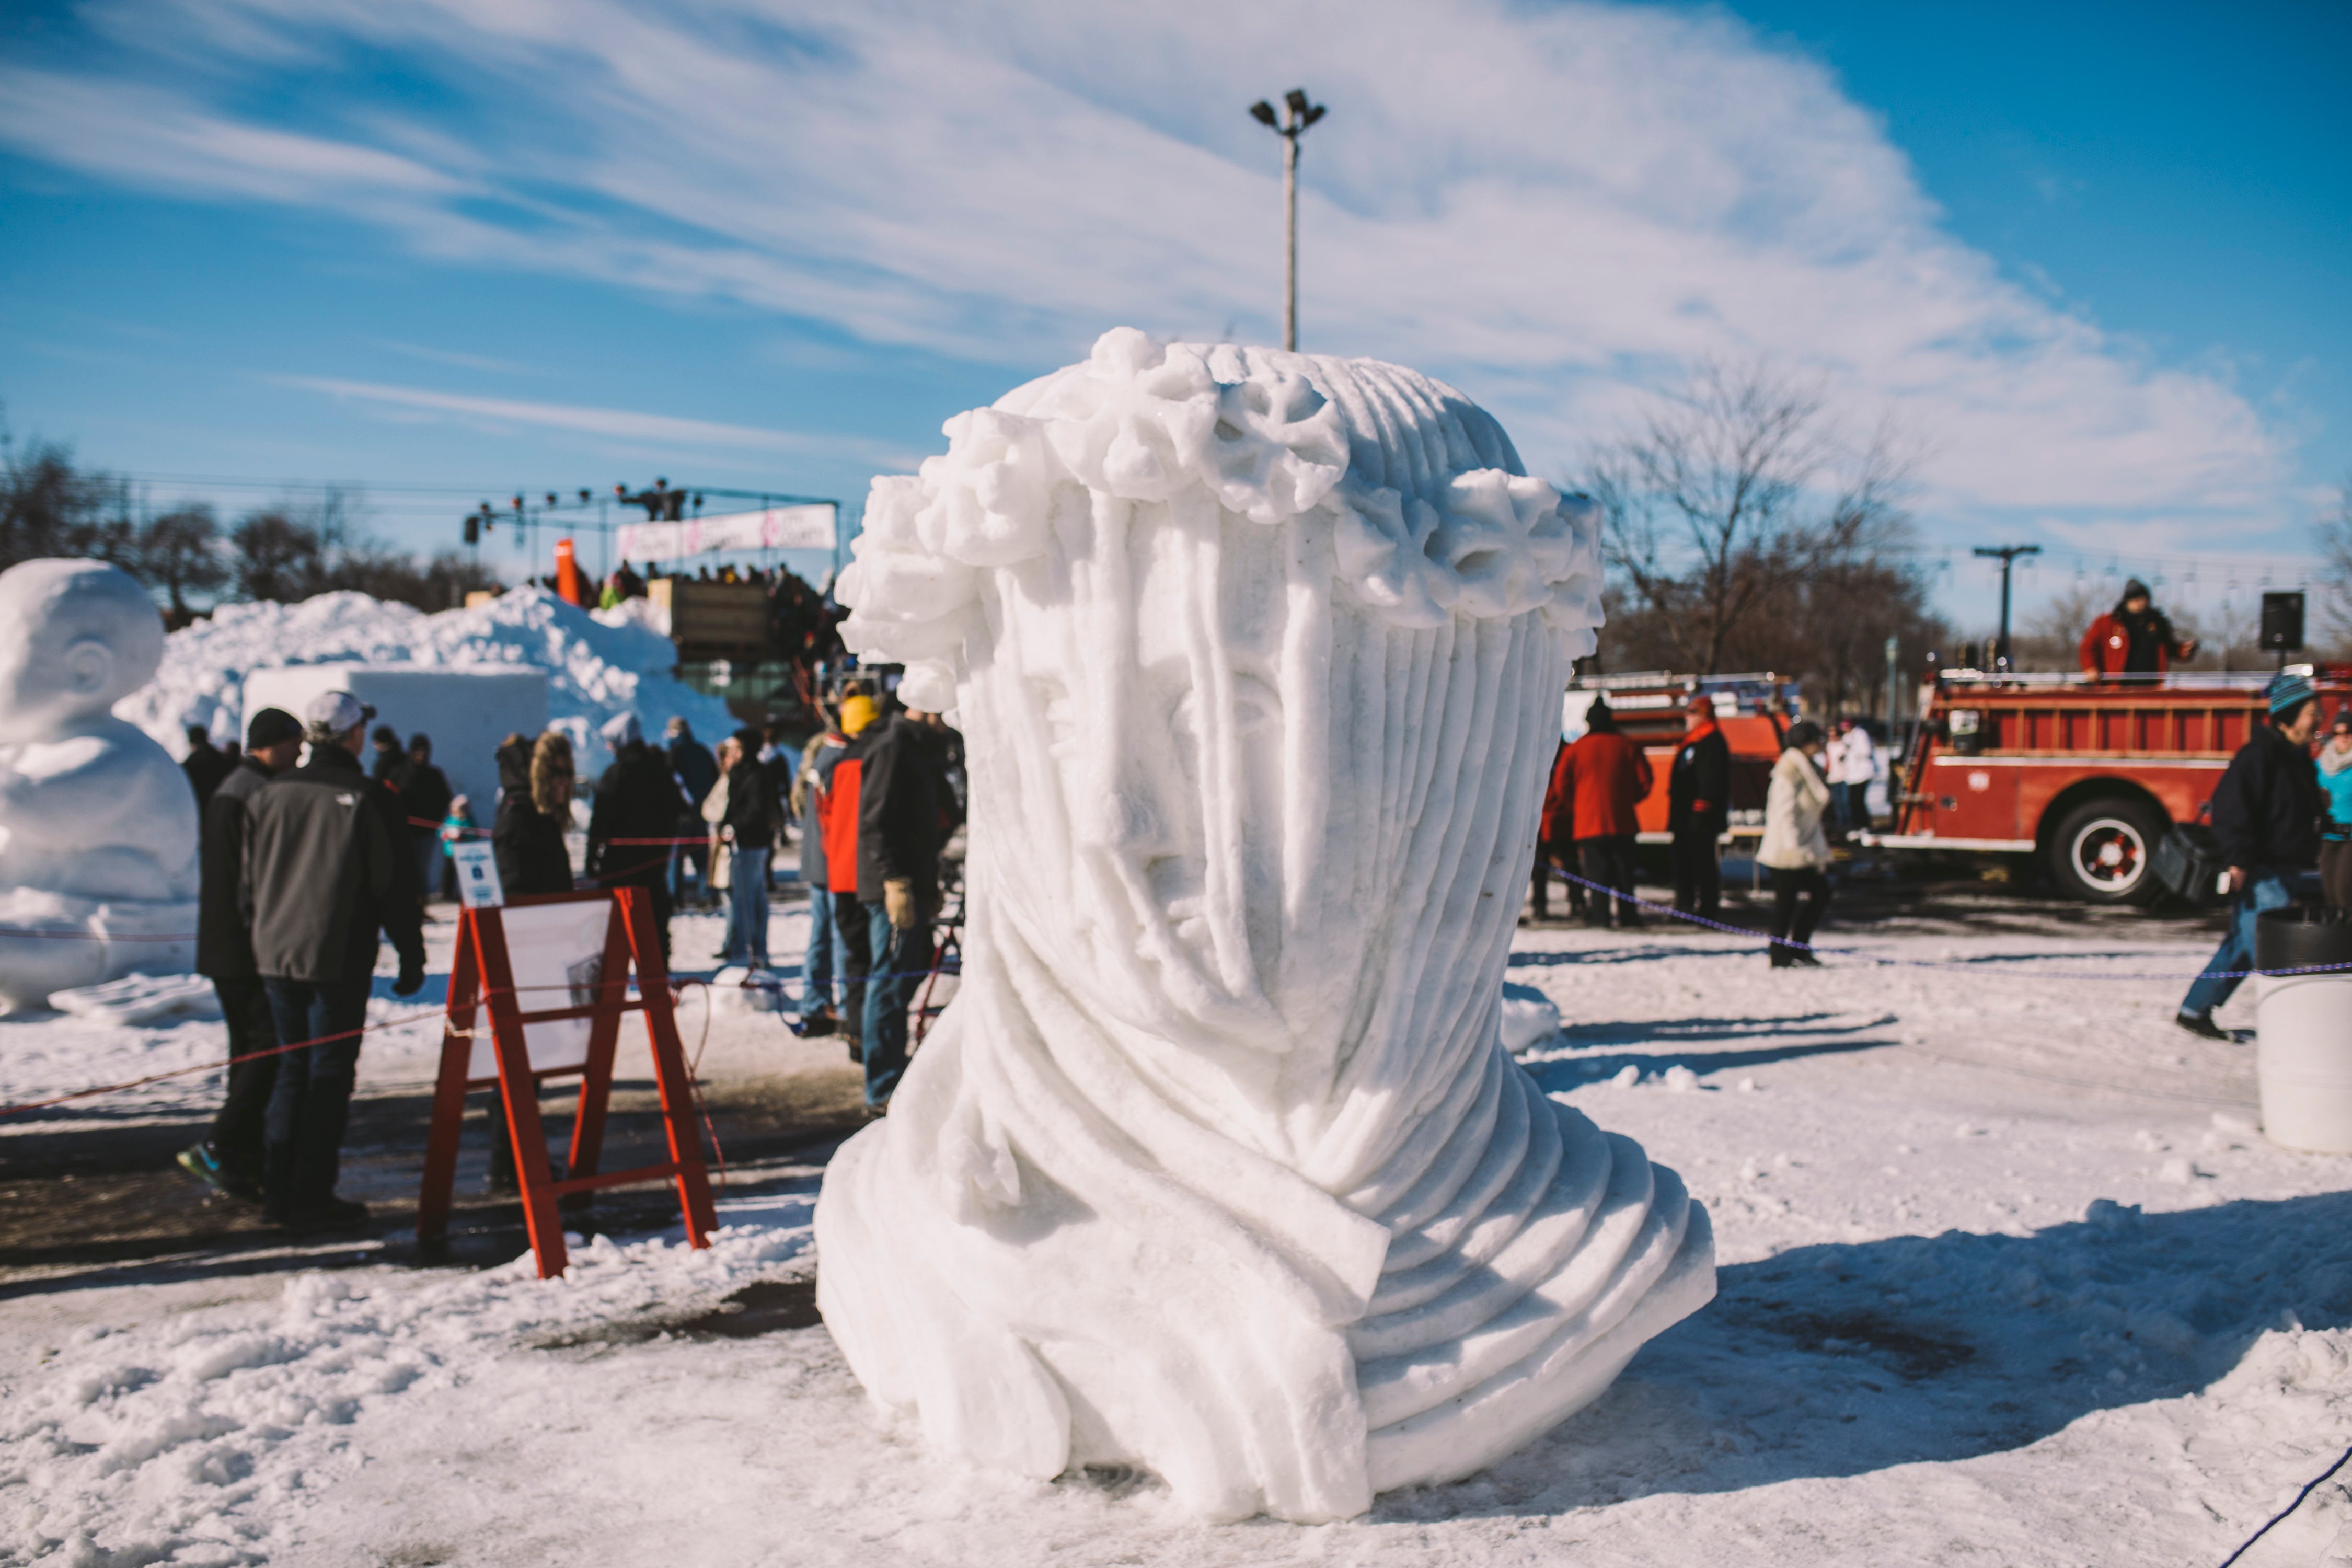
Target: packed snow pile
(195, 1443)
(599, 665)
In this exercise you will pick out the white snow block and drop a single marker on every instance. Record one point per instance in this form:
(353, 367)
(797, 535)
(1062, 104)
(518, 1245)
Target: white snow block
(1219, 1165)
(142, 999)
(467, 712)
(1528, 1016)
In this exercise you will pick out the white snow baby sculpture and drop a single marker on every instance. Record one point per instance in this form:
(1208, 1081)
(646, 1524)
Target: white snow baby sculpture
(1217, 1165)
(98, 824)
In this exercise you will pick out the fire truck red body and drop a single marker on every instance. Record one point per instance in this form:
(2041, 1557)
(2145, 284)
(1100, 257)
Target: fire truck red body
(2088, 776)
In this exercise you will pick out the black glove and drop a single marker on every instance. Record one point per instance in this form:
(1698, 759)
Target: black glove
(412, 978)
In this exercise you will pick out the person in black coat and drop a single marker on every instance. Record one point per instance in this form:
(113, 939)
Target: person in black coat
(2266, 812)
(425, 796)
(750, 825)
(229, 1159)
(904, 813)
(527, 837)
(697, 772)
(205, 764)
(1698, 809)
(322, 875)
(635, 814)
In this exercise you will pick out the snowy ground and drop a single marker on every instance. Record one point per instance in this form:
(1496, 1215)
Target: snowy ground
(2009, 1277)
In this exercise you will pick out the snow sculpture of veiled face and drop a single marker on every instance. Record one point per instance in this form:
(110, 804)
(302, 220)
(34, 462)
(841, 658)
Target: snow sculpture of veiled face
(1216, 1164)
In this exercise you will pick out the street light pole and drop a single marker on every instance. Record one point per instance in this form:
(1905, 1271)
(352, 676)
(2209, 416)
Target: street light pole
(2007, 555)
(1302, 114)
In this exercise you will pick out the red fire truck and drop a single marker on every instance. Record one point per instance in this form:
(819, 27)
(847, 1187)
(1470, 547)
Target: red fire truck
(1652, 708)
(2087, 775)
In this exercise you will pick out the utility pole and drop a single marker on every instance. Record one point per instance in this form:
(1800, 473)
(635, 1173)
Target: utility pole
(2007, 555)
(1302, 115)
(1893, 668)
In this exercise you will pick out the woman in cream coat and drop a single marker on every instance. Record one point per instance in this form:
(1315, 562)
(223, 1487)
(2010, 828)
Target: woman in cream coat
(1794, 847)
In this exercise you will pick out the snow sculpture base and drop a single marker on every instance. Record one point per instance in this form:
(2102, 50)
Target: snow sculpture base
(1218, 1164)
(52, 943)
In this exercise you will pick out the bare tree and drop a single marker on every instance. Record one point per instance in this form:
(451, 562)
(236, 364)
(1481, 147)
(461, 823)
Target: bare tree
(279, 557)
(179, 552)
(1732, 494)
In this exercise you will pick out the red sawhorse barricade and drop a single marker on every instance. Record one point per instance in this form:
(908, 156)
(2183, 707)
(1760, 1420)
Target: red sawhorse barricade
(576, 950)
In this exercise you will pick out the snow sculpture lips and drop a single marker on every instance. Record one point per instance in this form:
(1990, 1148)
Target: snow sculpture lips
(1217, 1165)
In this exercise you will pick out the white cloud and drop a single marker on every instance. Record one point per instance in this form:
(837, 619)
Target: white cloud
(661, 429)
(1552, 207)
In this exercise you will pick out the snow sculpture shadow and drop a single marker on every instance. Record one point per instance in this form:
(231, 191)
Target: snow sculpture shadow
(1217, 1165)
(1846, 1359)
(98, 824)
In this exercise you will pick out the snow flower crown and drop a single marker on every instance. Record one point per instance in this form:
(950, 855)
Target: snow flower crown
(1146, 421)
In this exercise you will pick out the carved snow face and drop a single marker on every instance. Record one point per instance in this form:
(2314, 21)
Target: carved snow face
(1131, 700)
(76, 638)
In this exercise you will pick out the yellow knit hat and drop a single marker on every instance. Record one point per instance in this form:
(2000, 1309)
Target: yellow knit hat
(857, 712)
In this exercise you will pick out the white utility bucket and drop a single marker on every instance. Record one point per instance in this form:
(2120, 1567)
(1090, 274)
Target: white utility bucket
(2304, 1059)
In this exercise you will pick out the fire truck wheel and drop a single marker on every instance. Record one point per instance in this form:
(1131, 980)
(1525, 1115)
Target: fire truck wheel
(2101, 850)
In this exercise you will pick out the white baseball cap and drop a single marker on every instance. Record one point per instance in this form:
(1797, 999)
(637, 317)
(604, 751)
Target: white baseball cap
(331, 713)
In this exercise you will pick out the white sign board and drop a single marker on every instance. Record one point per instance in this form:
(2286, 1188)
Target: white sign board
(557, 954)
(478, 876)
(808, 527)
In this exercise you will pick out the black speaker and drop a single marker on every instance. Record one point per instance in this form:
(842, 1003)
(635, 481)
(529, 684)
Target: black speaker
(2283, 621)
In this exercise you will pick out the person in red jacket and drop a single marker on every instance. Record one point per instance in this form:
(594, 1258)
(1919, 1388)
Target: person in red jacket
(1608, 776)
(1556, 843)
(2133, 638)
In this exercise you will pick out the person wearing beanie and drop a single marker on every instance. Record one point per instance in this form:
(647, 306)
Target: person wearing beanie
(2266, 812)
(323, 873)
(2336, 832)
(2133, 638)
(1699, 809)
(1795, 849)
(229, 1158)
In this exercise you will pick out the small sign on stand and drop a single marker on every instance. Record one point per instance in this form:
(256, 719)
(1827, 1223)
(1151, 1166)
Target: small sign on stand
(576, 951)
(478, 876)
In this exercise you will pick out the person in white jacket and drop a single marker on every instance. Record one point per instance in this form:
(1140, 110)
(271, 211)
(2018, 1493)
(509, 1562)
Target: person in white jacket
(1852, 763)
(1795, 849)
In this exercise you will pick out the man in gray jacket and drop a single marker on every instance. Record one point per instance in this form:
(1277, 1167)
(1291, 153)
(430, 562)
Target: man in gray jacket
(322, 875)
(230, 1159)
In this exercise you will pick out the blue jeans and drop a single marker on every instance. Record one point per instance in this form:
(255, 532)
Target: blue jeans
(816, 960)
(901, 960)
(302, 1131)
(747, 909)
(2265, 888)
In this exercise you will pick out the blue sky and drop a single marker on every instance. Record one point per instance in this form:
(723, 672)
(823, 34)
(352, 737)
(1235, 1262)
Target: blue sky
(2092, 256)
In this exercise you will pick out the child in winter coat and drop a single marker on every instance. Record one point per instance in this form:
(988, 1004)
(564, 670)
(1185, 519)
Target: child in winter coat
(1795, 849)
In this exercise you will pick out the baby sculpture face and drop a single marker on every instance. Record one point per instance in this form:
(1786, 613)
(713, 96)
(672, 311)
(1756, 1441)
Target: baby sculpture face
(76, 638)
(1133, 687)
